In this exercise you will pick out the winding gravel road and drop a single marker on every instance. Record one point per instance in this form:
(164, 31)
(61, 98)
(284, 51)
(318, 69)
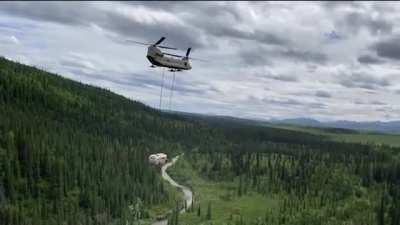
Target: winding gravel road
(187, 193)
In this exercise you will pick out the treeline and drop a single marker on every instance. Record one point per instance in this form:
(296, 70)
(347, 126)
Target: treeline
(75, 154)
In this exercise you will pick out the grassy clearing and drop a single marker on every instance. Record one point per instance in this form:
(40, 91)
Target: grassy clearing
(387, 139)
(310, 130)
(225, 204)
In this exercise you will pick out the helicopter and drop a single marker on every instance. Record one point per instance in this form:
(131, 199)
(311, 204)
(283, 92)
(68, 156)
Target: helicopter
(174, 63)
(162, 59)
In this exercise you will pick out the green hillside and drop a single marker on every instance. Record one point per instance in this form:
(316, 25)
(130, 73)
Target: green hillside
(74, 153)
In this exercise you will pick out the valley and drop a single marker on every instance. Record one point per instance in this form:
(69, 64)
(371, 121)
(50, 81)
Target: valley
(71, 153)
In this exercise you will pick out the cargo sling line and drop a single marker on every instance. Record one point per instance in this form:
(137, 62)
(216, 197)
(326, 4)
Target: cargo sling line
(172, 90)
(162, 86)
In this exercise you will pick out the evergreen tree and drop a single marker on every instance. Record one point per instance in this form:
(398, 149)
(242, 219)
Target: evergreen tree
(381, 211)
(198, 210)
(208, 215)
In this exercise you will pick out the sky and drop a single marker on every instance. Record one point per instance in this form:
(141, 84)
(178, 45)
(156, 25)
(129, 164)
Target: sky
(266, 60)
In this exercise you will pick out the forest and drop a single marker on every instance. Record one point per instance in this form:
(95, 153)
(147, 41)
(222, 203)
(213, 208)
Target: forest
(71, 153)
(310, 178)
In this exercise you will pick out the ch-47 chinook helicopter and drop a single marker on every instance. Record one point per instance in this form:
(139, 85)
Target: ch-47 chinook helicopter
(173, 62)
(161, 59)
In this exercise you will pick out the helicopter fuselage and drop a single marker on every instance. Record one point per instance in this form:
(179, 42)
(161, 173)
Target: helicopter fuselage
(157, 58)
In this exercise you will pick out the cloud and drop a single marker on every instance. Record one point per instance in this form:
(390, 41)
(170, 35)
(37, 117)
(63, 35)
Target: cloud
(377, 103)
(127, 22)
(178, 35)
(281, 102)
(263, 56)
(388, 48)
(277, 52)
(369, 59)
(10, 40)
(289, 103)
(50, 11)
(147, 21)
(131, 80)
(304, 56)
(253, 58)
(220, 29)
(375, 25)
(14, 40)
(333, 5)
(226, 16)
(77, 62)
(284, 77)
(323, 94)
(267, 74)
(363, 80)
(370, 103)
(159, 5)
(354, 21)
(359, 102)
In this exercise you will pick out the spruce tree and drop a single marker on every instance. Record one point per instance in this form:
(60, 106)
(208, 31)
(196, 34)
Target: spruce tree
(198, 210)
(208, 215)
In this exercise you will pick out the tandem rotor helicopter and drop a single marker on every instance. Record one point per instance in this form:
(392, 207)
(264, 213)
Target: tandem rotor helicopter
(173, 62)
(176, 63)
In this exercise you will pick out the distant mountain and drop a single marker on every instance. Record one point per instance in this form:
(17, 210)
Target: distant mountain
(376, 126)
(299, 121)
(385, 127)
(213, 119)
(342, 126)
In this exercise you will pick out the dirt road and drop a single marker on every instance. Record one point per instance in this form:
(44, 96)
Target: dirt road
(187, 193)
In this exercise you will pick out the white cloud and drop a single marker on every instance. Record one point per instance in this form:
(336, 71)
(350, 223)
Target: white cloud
(14, 40)
(9, 40)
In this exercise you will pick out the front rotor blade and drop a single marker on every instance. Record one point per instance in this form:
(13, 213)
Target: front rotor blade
(137, 42)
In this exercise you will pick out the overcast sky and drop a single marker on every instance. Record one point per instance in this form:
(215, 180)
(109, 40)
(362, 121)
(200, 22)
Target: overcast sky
(329, 61)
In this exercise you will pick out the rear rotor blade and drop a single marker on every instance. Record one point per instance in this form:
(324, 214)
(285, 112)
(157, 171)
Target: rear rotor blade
(197, 59)
(172, 54)
(188, 52)
(159, 41)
